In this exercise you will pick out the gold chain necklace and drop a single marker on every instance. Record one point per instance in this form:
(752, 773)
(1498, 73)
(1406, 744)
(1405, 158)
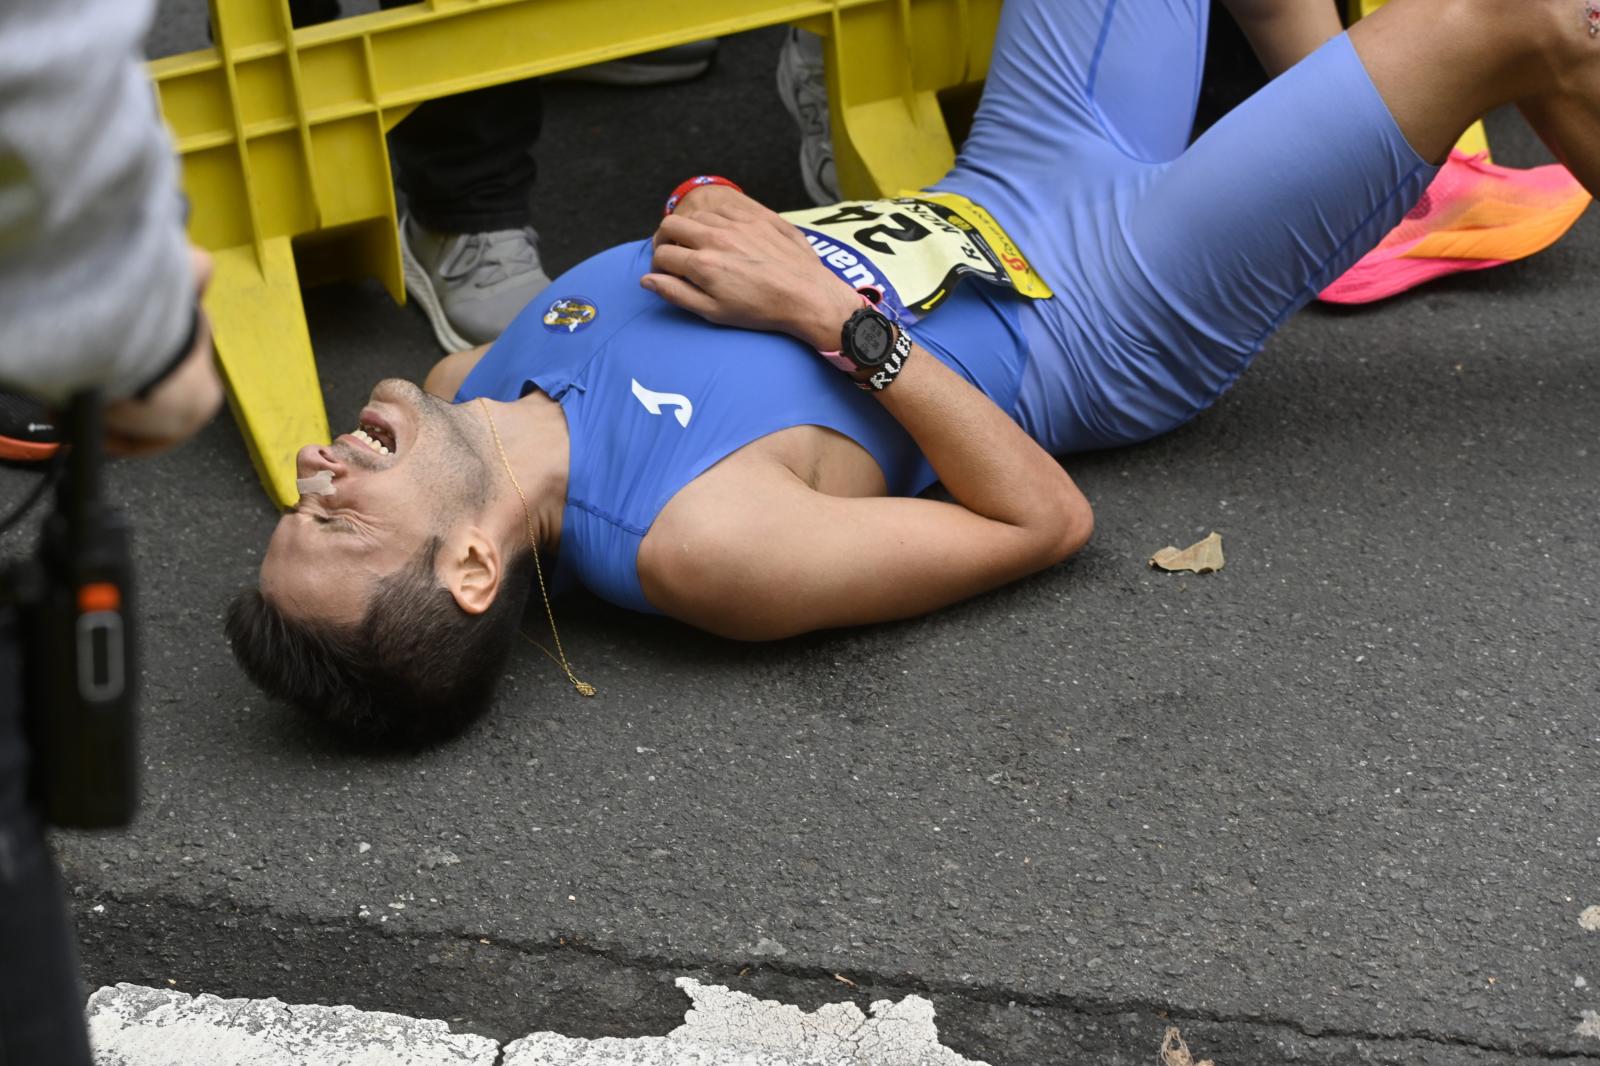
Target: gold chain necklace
(583, 687)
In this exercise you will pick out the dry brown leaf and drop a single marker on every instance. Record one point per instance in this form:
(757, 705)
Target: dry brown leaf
(1174, 1052)
(1202, 558)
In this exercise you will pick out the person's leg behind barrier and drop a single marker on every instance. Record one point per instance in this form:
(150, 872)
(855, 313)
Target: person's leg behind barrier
(465, 167)
(465, 163)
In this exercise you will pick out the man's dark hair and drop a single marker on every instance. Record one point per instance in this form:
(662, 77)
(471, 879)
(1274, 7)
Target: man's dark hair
(416, 667)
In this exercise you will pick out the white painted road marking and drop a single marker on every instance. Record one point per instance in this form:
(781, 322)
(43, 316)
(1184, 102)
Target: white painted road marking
(134, 1026)
(726, 1028)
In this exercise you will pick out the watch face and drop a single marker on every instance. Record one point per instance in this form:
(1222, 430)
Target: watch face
(869, 338)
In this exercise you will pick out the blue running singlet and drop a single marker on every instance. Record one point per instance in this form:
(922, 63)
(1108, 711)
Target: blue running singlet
(1170, 265)
(654, 396)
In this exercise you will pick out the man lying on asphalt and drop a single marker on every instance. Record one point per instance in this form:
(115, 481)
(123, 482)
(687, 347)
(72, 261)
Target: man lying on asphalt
(731, 424)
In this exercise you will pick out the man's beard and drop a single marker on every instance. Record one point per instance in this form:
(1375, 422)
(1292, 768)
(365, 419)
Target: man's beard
(459, 464)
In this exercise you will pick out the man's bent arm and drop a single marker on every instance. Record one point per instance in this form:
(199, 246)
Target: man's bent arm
(751, 551)
(983, 458)
(736, 267)
(763, 555)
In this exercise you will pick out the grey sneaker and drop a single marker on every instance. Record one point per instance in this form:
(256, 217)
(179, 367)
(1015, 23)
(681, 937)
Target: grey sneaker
(804, 90)
(661, 67)
(470, 285)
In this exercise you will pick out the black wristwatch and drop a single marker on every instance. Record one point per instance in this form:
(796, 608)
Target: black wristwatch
(871, 344)
(868, 338)
(877, 346)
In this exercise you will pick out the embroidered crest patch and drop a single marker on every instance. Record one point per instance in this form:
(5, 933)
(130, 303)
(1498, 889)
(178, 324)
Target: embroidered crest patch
(569, 314)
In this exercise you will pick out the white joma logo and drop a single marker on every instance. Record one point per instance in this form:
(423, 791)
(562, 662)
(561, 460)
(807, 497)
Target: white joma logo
(654, 401)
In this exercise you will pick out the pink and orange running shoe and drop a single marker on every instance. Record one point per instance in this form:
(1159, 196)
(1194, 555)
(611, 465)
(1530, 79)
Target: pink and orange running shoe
(1474, 215)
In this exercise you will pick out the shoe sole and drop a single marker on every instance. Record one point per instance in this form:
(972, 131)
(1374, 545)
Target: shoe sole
(420, 287)
(26, 451)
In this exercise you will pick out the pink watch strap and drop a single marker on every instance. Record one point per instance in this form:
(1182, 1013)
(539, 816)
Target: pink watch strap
(840, 361)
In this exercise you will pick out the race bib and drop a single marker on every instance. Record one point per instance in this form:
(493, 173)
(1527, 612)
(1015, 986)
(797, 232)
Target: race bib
(916, 248)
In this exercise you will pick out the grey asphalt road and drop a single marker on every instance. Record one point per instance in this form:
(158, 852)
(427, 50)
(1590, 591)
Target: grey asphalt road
(1334, 804)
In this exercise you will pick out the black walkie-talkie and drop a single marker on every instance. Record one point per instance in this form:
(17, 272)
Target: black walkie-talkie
(81, 670)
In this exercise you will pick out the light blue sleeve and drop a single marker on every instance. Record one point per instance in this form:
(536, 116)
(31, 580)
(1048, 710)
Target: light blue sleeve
(95, 282)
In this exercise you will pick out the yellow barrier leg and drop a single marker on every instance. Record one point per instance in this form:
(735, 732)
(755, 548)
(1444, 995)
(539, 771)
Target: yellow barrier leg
(265, 353)
(281, 135)
(1475, 140)
(886, 146)
(888, 132)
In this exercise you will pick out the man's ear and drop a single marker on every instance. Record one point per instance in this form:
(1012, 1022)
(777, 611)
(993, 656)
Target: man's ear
(470, 569)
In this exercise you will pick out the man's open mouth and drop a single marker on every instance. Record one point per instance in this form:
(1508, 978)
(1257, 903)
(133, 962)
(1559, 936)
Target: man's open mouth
(372, 437)
(372, 431)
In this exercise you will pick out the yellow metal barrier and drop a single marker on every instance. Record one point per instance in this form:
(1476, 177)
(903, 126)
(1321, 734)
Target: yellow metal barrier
(281, 134)
(1476, 139)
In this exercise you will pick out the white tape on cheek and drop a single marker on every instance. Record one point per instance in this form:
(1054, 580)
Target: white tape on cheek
(318, 484)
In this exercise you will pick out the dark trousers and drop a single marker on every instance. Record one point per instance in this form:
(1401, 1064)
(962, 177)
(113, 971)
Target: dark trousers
(41, 999)
(464, 163)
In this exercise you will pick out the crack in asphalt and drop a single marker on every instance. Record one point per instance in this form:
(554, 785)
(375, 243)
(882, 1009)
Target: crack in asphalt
(999, 996)
(897, 986)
